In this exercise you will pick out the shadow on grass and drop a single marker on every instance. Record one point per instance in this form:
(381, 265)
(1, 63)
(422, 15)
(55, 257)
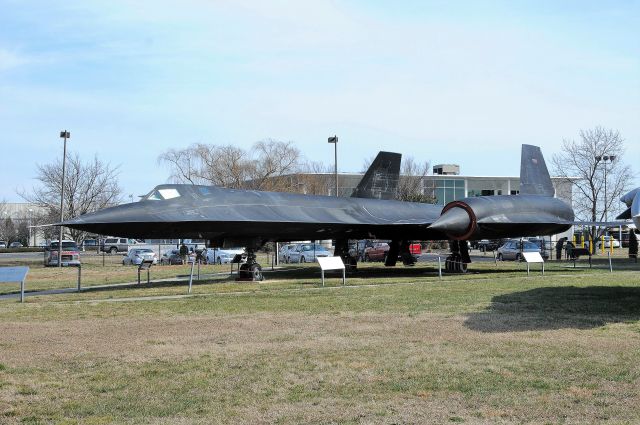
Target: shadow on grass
(552, 308)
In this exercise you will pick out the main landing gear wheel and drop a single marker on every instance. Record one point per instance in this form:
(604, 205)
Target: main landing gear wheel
(454, 264)
(250, 271)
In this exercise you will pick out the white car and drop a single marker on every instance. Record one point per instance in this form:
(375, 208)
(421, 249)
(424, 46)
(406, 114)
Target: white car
(222, 256)
(138, 255)
(607, 242)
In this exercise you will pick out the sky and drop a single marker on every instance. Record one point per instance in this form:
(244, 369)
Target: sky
(461, 82)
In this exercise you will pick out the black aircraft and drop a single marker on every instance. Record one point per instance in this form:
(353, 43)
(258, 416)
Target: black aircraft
(232, 217)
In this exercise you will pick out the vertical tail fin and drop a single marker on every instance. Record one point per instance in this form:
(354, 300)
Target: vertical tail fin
(381, 179)
(534, 176)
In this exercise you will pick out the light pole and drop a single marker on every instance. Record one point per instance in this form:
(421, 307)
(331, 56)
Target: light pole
(29, 227)
(64, 135)
(605, 159)
(334, 140)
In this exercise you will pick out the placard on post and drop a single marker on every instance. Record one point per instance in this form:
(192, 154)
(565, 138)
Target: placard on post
(533, 257)
(15, 274)
(332, 263)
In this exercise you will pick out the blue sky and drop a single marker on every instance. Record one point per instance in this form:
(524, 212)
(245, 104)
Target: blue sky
(445, 81)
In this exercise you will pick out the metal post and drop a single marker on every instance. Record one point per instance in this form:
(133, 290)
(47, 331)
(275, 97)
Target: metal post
(344, 276)
(22, 291)
(527, 268)
(543, 268)
(610, 265)
(79, 277)
(65, 135)
(335, 145)
(149, 275)
(198, 269)
(191, 277)
(495, 259)
(322, 275)
(138, 275)
(439, 267)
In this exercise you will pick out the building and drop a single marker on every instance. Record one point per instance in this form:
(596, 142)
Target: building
(22, 214)
(443, 188)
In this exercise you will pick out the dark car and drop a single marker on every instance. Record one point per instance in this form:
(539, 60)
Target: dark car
(171, 258)
(90, 244)
(485, 245)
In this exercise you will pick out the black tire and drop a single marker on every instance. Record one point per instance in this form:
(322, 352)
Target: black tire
(518, 257)
(366, 258)
(218, 261)
(256, 271)
(113, 250)
(500, 257)
(302, 260)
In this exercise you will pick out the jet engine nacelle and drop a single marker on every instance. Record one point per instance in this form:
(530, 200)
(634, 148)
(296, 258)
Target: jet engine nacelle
(503, 216)
(632, 200)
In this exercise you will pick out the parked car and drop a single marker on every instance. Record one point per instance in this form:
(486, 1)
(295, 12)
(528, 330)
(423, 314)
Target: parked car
(115, 245)
(138, 255)
(285, 252)
(89, 244)
(545, 246)
(307, 252)
(608, 240)
(15, 245)
(485, 245)
(356, 250)
(376, 251)
(222, 255)
(171, 258)
(513, 249)
(3, 244)
(70, 254)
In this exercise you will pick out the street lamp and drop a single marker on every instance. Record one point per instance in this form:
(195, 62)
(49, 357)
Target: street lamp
(605, 159)
(64, 135)
(29, 227)
(334, 140)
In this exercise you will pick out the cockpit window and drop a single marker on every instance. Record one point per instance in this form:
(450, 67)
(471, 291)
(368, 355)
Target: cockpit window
(169, 193)
(154, 196)
(163, 194)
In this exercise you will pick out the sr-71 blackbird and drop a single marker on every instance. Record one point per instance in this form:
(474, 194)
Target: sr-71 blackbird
(232, 217)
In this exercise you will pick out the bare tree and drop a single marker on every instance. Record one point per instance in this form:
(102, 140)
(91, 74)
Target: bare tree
(411, 185)
(89, 186)
(582, 162)
(266, 166)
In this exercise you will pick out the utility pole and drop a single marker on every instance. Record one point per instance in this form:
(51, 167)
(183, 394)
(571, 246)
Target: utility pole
(64, 135)
(334, 140)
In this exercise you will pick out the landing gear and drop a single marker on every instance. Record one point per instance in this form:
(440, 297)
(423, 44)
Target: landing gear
(459, 258)
(250, 271)
(454, 264)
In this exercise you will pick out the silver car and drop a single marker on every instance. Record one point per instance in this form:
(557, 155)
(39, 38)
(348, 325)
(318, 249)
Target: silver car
(138, 255)
(513, 249)
(307, 252)
(222, 256)
(285, 252)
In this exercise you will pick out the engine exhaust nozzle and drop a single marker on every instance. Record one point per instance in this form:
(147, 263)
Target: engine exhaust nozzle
(457, 221)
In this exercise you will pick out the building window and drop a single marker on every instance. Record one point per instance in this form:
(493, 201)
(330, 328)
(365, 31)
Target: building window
(449, 190)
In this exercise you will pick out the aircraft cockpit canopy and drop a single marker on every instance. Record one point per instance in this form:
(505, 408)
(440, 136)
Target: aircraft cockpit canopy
(163, 194)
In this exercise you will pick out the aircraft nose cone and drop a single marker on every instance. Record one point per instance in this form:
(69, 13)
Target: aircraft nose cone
(455, 222)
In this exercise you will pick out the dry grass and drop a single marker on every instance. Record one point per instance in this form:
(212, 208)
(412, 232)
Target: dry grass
(493, 347)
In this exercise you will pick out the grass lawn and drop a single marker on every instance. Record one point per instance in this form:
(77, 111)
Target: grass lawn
(395, 346)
